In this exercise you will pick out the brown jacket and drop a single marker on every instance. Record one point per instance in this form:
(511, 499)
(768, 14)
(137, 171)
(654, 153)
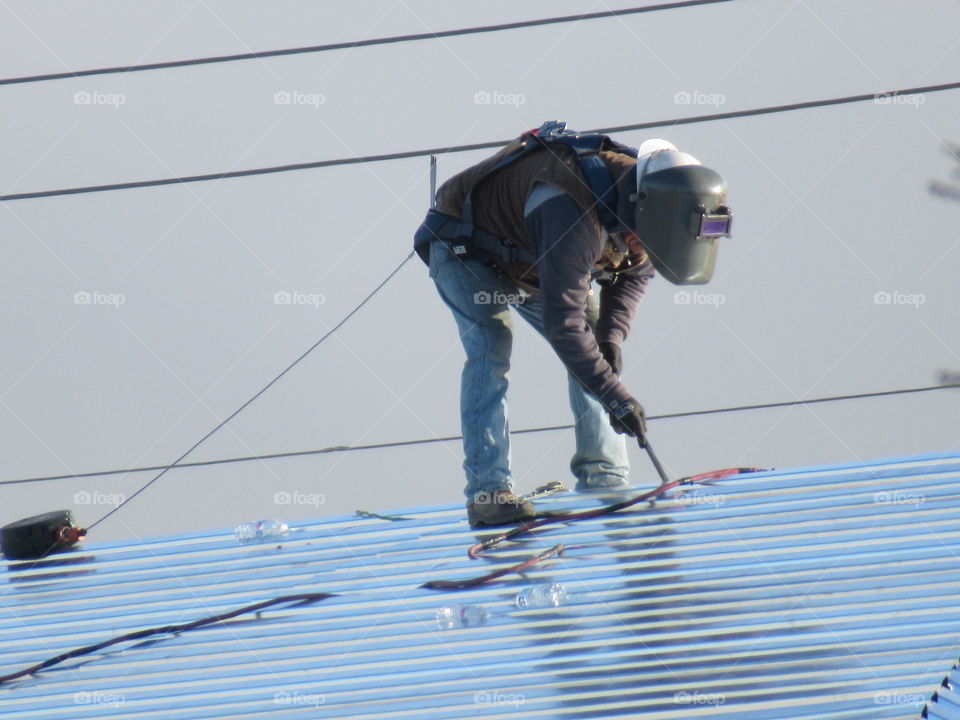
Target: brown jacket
(499, 200)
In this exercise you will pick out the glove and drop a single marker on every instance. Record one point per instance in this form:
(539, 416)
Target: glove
(611, 353)
(628, 418)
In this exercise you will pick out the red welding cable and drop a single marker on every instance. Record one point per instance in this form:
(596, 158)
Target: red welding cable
(555, 551)
(475, 550)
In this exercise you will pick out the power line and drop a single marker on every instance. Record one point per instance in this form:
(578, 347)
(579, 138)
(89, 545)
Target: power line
(450, 438)
(479, 29)
(362, 159)
(261, 391)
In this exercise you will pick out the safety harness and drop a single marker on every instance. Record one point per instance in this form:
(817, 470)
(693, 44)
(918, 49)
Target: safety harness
(467, 241)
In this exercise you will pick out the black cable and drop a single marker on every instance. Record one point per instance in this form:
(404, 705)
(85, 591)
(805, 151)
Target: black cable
(812, 401)
(555, 552)
(357, 43)
(491, 541)
(260, 392)
(301, 599)
(450, 438)
(473, 146)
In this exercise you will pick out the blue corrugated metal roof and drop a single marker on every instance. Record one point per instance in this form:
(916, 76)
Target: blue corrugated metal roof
(825, 592)
(945, 703)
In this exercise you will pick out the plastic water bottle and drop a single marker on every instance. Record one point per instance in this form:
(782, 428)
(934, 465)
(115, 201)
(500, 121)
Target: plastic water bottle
(462, 616)
(446, 618)
(473, 615)
(260, 531)
(543, 595)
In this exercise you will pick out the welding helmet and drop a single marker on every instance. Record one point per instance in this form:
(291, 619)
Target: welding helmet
(679, 212)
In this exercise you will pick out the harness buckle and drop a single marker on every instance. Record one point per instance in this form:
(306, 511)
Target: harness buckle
(508, 251)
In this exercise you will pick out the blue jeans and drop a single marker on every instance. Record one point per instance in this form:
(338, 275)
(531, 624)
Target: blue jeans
(480, 298)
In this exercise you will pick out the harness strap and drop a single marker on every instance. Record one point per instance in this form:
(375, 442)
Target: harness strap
(587, 146)
(465, 240)
(461, 233)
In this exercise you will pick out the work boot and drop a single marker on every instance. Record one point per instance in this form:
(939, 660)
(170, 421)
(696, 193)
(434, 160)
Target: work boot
(500, 507)
(603, 483)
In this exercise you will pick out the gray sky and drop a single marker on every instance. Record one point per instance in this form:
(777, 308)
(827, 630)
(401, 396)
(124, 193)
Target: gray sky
(831, 208)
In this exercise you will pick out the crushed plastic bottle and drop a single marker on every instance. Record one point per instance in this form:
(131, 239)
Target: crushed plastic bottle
(462, 616)
(446, 618)
(472, 615)
(542, 595)
(260, 531)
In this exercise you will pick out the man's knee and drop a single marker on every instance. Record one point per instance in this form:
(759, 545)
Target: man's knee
(490, 333)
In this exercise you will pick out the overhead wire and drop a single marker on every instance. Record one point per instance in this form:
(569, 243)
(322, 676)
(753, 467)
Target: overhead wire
(260, 392)
(404, 155)
(350, 45)
(451, 438)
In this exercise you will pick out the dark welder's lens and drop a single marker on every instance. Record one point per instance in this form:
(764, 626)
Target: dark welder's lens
(715, 225)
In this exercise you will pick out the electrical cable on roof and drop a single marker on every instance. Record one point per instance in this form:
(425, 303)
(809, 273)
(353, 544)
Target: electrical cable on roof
(260, 392)
(650, 496)
(450, 438)
(707, 478)
(300, 599)
(473, 146)
(359, 43)
(554, 552)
